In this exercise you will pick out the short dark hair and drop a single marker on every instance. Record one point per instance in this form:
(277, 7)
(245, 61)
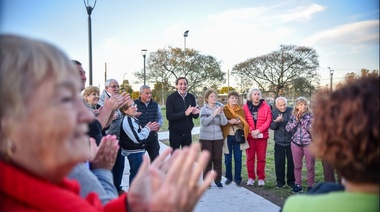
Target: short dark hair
(180, 78)
(233, 93)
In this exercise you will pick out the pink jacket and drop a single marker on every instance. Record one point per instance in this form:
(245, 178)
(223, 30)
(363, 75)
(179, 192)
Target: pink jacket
(264, 118)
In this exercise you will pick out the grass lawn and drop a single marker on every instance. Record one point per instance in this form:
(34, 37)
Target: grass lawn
(270, 181)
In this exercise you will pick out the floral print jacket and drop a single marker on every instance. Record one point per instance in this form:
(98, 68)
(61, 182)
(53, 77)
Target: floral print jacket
(300, 129)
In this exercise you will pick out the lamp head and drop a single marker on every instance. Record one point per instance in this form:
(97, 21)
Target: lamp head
(143, 52)
(186, 33)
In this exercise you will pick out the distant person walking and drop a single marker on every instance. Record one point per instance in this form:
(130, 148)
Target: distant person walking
(149, 111)
(282, 141)
(259, 117)
(236, 120)
(181, 109)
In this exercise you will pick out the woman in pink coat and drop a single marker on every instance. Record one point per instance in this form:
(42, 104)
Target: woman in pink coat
(259, 117)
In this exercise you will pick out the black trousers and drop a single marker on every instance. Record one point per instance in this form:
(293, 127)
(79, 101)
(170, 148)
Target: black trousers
(153, 149)
(179, 139)
(118, 170)
(280, 154)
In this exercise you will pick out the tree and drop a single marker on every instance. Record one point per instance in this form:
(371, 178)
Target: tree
(160, 92)
(281, 71)
(352, 76)
(126, 87)
(165, 65)
(225, 90)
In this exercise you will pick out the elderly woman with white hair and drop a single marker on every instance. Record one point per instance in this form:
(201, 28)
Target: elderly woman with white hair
(43, 135)
(259, 116)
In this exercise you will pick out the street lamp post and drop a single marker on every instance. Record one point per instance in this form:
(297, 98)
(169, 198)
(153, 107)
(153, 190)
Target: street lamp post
(143, 52)
(185, 34)
(331, 77)
(90, 5)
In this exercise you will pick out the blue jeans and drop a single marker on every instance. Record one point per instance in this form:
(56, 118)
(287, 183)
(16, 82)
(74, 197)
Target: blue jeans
(233, 148)
(135, 161)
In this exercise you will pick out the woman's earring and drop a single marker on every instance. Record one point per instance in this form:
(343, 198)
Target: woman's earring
(10, 149)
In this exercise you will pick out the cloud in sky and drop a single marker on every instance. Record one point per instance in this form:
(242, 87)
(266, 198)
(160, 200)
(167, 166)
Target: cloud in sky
(362, 33)
(344, 33)
(302, 13)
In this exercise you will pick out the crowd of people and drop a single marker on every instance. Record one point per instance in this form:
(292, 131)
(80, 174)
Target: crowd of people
(67, 143)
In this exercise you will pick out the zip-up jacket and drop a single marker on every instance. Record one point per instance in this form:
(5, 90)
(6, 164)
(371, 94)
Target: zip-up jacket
(264, 118)
(211, 125)
(300, 129)
(132, 138)
(281, 136)
(175, 112)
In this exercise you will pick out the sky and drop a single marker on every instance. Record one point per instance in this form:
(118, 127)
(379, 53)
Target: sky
(345, 33)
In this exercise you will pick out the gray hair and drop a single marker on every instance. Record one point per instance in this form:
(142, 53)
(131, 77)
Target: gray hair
(144, 87)
(108, 82)
(24, 64)
(283, 98)
(249, 94)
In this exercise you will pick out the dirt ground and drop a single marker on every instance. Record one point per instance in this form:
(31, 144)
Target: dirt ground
(267, 194)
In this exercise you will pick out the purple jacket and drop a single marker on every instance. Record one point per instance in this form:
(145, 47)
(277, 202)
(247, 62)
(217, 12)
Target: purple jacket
(300, 129)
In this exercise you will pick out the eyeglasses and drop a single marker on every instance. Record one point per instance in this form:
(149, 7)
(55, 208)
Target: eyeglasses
(115, 86)
(132, 105)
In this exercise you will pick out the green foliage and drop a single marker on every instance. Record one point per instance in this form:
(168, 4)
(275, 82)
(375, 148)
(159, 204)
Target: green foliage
(135, 94)
(225, 90)
(126, 87)
(166, 65)
(277, 71)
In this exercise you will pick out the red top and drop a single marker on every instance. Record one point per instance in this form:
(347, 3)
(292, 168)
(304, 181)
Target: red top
(22, 191)
(264, 118)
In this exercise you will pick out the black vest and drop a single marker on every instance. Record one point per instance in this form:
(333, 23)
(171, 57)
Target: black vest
(147, 113)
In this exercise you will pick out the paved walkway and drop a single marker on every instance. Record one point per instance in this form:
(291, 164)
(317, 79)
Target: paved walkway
(230, 198)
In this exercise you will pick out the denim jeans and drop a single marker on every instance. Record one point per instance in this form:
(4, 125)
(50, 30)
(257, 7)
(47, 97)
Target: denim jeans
(233, 148)
(135, 161)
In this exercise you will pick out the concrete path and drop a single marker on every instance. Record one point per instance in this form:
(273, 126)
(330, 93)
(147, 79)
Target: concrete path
(229, 198)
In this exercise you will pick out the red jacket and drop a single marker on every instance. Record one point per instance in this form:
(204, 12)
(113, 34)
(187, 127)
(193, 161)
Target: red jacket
(264, 118)
(21, 191)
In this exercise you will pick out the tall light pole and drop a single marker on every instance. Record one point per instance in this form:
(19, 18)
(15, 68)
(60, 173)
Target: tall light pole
(331, 77)
(143, 52)
(185, 34)
(90, 5)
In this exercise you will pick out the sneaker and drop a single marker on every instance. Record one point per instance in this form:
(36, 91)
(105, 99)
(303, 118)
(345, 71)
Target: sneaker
(261, 183)
(219, 185)
(250, 182)
(228, 181)
(291, 185)
(309, 188)
(280, 186)
(238, 183)
(297, 189)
